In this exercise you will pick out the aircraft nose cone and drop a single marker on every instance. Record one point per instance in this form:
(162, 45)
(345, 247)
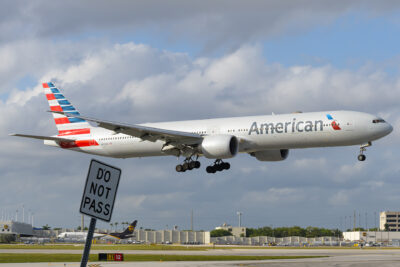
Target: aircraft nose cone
(389, 128)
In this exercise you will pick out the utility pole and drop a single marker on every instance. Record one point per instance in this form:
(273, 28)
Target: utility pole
(191, 221)
(82, 223)
(240, 218)
(354, 222)
(23, 213)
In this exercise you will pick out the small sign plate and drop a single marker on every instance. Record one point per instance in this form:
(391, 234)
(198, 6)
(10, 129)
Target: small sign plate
(100, 190)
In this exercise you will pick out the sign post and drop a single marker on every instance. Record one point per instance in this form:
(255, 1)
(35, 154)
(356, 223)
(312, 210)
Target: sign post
(98, 198)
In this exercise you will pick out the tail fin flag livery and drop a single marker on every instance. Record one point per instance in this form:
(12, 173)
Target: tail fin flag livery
(65, 125)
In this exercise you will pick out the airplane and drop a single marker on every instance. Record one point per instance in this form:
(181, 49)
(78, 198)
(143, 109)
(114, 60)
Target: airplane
(127, 233)
(267, 138)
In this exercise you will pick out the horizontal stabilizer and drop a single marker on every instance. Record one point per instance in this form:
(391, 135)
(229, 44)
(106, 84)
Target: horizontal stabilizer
(40, 137)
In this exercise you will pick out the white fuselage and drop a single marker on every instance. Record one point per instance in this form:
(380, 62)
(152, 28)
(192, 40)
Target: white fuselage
(255, 133)
(77, 235)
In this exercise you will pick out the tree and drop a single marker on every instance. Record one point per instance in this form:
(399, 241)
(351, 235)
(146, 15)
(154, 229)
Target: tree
(116, 225)
(7, 238)
(292, 231)
(219, 233)
(46, 227)
(111, 224)
(386, 227)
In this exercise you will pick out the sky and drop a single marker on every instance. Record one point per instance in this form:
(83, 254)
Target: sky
(151, 61)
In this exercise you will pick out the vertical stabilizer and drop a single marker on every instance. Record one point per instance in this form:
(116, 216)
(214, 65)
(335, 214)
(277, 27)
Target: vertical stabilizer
(65, 125)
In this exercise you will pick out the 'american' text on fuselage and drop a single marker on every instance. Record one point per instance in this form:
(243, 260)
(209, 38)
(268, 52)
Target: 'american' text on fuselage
(285, 127)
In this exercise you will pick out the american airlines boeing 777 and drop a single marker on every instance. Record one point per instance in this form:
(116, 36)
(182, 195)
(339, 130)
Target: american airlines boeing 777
(267, 138)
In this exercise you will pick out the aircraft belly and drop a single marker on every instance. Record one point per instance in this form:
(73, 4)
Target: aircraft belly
(305, 140)
(135, 149)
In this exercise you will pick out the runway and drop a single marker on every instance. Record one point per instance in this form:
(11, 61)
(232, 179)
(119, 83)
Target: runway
(337, 257)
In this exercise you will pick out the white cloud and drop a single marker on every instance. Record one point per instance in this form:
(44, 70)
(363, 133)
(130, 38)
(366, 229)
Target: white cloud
(340, 198)
(309, 163)
(274, 196)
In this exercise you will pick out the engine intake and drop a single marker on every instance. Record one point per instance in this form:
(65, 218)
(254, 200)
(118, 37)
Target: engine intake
(271, 155)
(219, 146)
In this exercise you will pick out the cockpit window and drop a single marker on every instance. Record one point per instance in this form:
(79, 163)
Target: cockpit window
(378, 120)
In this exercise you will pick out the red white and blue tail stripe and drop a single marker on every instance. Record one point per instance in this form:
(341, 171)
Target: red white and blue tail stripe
(65, 125)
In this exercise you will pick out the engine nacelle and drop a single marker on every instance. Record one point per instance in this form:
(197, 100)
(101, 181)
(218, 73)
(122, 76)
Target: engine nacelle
(219, 146)
(271, 155)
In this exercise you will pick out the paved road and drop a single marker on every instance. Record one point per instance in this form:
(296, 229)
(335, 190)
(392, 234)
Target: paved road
(338, 257)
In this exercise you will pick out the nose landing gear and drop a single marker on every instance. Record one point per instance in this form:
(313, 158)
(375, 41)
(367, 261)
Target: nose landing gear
(363, 148)
(188, 165)
(219, 165)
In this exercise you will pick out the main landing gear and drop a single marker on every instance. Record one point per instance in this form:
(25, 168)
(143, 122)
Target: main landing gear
(363, 148)
(219, 165)
(188, 165)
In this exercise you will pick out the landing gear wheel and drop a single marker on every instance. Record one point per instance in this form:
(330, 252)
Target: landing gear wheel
(219, 165)
(226, 165)
(179, 168)
(210, 169)
(188, 164)
(192, 165)
(197, 164)
(363, 148)
(185, 166)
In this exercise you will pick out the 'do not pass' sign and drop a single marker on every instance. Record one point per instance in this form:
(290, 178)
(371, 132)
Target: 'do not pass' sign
(100, 190)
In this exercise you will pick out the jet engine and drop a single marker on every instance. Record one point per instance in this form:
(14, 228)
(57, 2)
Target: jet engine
(219, 146)
(271, 155)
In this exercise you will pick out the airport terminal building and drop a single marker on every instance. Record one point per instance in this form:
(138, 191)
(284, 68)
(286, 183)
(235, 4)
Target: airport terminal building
(391, 219)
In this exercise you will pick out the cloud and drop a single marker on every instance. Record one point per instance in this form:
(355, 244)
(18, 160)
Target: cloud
(274, 195)
(340, 198)
(212, 24)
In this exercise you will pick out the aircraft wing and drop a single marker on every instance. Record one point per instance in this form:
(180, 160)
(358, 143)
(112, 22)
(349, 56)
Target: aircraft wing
(40, 137)
(144, 132)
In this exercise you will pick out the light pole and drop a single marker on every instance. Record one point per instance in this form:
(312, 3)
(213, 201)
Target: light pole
(240, 218)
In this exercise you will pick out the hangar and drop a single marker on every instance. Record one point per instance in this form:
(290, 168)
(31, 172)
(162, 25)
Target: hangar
(16, 228)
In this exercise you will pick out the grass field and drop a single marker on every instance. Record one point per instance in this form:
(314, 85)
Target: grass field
(101, 247)
(160, 247)
(27, 257)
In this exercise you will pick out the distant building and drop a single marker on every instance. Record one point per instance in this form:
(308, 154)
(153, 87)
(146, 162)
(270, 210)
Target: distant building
(236, 231)
(376, 237)
(391, 218)
(17, 228)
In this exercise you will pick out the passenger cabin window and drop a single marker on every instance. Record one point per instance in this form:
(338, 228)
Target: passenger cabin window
(378, 120)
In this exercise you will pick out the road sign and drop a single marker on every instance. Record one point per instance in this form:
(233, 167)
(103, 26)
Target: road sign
(100, 190)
